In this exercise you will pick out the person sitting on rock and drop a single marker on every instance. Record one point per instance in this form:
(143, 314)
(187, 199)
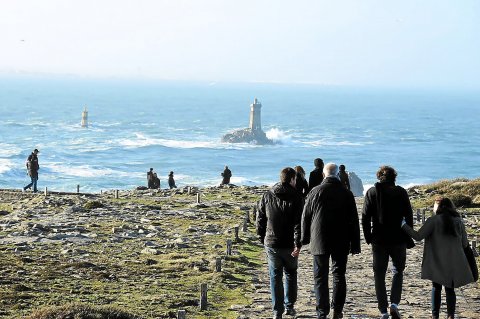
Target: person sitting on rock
(227, 174)
(343, 176)
(171, 181)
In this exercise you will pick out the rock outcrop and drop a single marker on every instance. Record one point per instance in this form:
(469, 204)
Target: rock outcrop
(356, 185)
(247, 136)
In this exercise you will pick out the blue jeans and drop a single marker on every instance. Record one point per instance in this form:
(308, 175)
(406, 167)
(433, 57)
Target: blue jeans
(33, 183)
(281, 261)
(381, 254)
(320, 277)
(437, 300)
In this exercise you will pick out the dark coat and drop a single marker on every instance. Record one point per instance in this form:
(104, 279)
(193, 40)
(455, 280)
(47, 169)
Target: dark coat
(382, 225)
(32, 165)
(279, 214)
(301, 185)
(444, 260)
(330, 219)
(344, 179)
(150, 181)
(171, 182)
(227, 174)
(315, 178)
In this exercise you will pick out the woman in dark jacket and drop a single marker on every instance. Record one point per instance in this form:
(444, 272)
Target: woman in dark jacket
(301, 183)
(444, 261)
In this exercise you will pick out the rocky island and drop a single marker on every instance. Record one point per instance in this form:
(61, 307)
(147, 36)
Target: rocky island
(254, 133)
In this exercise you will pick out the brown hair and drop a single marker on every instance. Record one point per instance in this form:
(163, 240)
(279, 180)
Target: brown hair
(386, 174)
(299, 170)
(287, 174)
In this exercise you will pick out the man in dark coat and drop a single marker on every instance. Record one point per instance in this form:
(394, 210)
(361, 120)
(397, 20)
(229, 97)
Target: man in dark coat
(171, 181)
(227, 174)
(32, 168)
(330, 224)
(384, 208)
(342, 174)
(150, 180)
(316, 176)
(278, 227)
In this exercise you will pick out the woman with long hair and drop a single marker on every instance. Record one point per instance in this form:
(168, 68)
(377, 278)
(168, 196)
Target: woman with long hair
(444, 260)
(301, 184)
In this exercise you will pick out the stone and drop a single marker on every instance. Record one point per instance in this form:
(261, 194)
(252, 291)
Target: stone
(356, 185)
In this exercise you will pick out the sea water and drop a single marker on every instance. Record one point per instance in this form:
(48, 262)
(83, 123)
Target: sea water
(427, 135)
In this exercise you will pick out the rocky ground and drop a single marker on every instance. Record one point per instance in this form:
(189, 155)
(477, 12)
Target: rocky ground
(147, 253)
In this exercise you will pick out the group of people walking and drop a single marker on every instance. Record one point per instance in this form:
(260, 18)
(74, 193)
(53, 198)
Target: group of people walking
(153, 181)
(325, 217)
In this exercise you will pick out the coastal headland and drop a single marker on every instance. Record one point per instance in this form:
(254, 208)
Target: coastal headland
(147, 253)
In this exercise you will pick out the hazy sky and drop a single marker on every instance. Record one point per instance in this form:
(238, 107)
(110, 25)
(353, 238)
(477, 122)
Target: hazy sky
(433, 43)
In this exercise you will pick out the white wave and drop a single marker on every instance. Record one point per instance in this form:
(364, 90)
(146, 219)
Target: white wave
(279, 136)
(142, 140)
(5, 165)
(332, 143)
(7, 150)
(84, 171)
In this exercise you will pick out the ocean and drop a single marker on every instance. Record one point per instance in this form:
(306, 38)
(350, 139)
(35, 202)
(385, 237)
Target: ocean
(426, 135)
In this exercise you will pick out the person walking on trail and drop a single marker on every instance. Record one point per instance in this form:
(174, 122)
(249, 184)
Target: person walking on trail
(227, 174)
(32, 169)
(385, 206)
(278, 228)
(316, 176)
(343, 177)
(330, 225)
(444, 261)
(171, 181)
(150, 181)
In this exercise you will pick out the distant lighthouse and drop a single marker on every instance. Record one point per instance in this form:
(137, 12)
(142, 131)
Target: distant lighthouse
(255, 116)
(85, 117)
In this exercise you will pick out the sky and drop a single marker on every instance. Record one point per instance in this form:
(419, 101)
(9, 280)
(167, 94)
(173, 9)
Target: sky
(405, 43)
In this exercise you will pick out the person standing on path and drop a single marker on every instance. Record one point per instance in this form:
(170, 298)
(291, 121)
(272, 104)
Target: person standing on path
(278, 228)
(330, 225)
(32, 169)
(227, 174)
(444, 261)
(171, 181)
(316, 176)
(150, 180)
(384, 208)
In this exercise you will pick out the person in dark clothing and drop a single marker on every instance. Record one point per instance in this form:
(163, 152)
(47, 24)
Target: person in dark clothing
(150, 178)
(156, 181)
(227, 174)
(330, 225)
(343, 176)
(301, 184)
(385, 206)
(32, 168)
(278, 228)
(316, 176)
(171, 181)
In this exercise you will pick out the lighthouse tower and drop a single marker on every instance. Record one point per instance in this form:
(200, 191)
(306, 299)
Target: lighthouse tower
(255, 116)
(85, 117)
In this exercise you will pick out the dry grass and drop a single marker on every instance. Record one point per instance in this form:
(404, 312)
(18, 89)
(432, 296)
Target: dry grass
(81, 311)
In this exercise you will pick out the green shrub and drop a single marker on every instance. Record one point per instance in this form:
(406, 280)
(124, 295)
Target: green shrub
(93, 204)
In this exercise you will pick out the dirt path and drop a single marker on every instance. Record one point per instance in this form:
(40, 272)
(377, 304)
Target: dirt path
(361, 300)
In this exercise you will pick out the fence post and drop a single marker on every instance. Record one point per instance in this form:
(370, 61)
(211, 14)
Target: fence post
(245, 225)
(254, 213)
(181, 314)
(229, 247)
(198, 198)
(203, 297)
(236, 233)
(189, 190)
(116, 194)
(247, 216)
(46, 191)
(474, 248)
(418, 215)
(78, 189)
(423, 216)
(218, 264)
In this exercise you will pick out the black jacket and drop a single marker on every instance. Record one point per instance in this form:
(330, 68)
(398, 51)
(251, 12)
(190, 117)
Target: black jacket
(383, 210)
(315, 178)
(32, 165)
(279, 214)
(301, 185)
(330, 219)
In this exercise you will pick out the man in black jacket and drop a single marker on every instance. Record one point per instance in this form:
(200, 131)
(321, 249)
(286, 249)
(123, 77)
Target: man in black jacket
(384, 208)
(330, 225)
(32, 168)
(278, 227)
(316, 176)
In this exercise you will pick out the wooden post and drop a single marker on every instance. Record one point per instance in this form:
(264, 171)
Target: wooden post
(101, 191)
(229, 247)
(236, 233)
(423, 216)
(218, 264)
(198, 198)
(245, 225)
(474, 248)
(116, 194)
(181, 314)
(189, 189)
(247, 216)
(46, 191)
(418, 215)
(203, 297)
(78, 189)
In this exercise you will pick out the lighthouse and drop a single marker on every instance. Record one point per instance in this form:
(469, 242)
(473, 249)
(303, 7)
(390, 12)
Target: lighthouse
(255, 116)
(85, 117)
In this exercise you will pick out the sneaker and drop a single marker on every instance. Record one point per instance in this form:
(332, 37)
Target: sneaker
(290, 312)
(394, 312)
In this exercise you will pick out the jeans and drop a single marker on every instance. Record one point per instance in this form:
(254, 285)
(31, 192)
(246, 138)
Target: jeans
(381, 254)
(437, 299)
(281, 261)
(33, 183)
(320, 277)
